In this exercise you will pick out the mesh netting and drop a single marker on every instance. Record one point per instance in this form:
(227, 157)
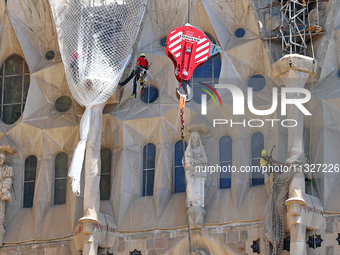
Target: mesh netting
(95, 38)
(275, 213)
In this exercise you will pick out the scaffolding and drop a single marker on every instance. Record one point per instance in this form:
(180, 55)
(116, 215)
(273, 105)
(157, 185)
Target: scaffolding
(299, 25)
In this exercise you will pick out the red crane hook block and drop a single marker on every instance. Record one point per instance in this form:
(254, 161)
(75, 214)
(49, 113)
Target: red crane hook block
(187, 47)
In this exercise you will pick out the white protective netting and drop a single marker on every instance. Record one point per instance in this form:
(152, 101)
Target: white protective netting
(95, 38)
(274, 221)
(275, 214)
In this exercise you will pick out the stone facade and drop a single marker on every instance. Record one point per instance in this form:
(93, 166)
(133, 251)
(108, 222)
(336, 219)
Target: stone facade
(234, 238)
(157, 224)
(54, 247)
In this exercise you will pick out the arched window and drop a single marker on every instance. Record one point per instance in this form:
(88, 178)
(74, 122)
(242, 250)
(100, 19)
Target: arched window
(179, 170)
(207, 73)
(14, 84)
(105, 176)
(257, 145)
(60, 178)
(29, 181)
(149, 160)
(306, 143)
(225, 147)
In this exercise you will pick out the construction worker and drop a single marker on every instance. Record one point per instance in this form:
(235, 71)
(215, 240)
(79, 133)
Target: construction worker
(77, 61)
(265, 159)
(141, 70)
(269, 177)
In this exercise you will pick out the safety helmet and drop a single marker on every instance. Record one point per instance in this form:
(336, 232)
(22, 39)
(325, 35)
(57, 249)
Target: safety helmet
(264, 152)
(142, 55)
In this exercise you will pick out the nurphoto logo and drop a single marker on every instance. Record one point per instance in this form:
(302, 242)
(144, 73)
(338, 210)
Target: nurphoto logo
(204, 98)
(239, 102)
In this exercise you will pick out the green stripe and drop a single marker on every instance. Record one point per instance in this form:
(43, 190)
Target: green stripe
(209, 95)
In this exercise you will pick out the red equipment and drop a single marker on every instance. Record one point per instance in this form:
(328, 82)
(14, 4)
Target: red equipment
(188, 48)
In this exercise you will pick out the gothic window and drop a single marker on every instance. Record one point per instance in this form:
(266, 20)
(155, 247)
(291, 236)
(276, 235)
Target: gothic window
(225, 148)
(149, 160)
(257, 145)
(14, 84)
(29, 180)
(60, 178)
(105, 176)
(179, 169)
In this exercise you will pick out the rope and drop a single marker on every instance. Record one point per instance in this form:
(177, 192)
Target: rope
(311, 122)
(147, 152)
(189, 5)
(270, 32)
(114, 159)
(134, 190)
(182, 100)
(144, 193)
(187, 183)
(115, 145)
(183, 149)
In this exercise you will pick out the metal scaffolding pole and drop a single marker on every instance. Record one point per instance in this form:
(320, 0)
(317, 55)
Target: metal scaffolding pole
(293, 24)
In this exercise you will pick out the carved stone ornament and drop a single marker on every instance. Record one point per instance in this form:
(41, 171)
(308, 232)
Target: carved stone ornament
(6, 180)
(195, 171)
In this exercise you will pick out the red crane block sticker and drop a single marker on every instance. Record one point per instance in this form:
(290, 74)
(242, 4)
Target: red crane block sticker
(187, 47)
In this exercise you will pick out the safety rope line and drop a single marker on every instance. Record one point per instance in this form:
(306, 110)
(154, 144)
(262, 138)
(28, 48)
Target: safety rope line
(220, 110)
(270, 32)
(189, 5)
(147, 153)
(192, 245)
(134, 190)
(114, 150)
(311, 121)
(114, 153)
(144, 192)
(183, 149)
(182, 101)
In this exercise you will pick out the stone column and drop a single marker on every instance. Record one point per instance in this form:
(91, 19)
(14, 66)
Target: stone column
(294, 71)
(92, 180)
(296, 79)
(296, 216)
